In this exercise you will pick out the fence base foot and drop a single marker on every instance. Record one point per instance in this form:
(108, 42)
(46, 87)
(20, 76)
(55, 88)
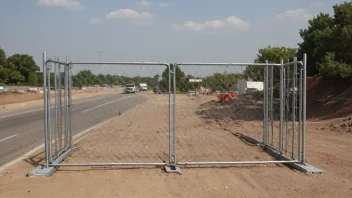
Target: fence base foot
(278, 155)
(47, 172)
(41, 171)
(173, 169)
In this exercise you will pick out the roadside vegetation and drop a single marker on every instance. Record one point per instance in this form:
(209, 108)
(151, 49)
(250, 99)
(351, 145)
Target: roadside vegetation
(327, 41)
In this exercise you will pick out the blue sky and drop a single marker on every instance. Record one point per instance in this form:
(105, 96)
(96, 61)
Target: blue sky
(154, 30)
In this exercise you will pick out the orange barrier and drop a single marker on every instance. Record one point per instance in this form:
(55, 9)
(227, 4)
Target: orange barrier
(227, 97)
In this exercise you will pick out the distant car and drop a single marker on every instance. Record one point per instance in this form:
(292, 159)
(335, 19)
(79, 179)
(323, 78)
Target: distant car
(1, 89)
(130, 88)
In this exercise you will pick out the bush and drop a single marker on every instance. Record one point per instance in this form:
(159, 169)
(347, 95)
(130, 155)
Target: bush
(331, 68)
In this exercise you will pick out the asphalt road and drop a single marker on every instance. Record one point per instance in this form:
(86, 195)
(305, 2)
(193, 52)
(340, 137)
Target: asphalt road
(23, 130)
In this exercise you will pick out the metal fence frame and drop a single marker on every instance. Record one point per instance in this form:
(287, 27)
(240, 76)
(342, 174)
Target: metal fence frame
(53, 160)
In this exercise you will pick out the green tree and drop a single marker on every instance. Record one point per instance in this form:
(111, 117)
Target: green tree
(273, 55)
(33, 79)
(12, 75)
(24, 64)
(3, 76)
(180, 79)
(2, 57)
(328, 40)
(84, 78)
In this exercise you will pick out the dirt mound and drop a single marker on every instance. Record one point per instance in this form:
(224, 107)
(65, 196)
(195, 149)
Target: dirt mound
(340, 125)
(328, 98)
(245, 110)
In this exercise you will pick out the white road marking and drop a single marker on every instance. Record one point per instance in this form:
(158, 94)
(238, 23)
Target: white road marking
(104, 104)
(8, 137)
(76, 138)
(6, 116)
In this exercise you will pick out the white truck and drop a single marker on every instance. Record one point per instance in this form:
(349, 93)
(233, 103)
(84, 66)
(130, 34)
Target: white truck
(243, 85)
(143, 87)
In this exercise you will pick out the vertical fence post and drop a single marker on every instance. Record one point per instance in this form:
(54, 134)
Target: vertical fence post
(66, 105)
(45, 110)
(170, 154)
(49, 112)
(281, 137)
(174, 125)
(56, 132)
(266, 111)
(272, 104)
(287, 105)
(294, 107)
(69, 69)
(300, 113)
(304, 108)
(60, 106)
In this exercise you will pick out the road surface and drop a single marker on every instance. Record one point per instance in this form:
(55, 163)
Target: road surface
(23, 130)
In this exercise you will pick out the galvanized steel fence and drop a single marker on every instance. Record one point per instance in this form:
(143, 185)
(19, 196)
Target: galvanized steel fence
(95, 124)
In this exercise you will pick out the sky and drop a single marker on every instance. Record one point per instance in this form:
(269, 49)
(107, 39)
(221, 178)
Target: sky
(154, 30)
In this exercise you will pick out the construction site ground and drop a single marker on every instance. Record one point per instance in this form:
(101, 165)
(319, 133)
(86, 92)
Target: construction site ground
(143, 136)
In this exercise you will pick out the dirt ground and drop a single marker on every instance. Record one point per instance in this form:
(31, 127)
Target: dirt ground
(10, 102)
(140, 135)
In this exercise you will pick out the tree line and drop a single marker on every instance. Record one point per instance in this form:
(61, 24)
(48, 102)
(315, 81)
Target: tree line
(327, 41)
(18, 69)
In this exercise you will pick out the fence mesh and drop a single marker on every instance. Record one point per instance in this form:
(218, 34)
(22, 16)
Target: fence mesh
(116, 116)
(122, 113)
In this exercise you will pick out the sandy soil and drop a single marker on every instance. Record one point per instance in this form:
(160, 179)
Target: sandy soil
(140, 135)
(11, 102)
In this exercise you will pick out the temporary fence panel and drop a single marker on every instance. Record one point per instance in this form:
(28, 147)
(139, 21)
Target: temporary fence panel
(190, 114)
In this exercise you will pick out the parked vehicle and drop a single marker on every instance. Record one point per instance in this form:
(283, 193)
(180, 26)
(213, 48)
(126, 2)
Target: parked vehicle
(130, 88)
(143, 87)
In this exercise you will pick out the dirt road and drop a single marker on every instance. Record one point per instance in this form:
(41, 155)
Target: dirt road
(141, 135)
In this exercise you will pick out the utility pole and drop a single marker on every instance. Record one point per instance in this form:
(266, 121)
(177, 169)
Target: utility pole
(100, 52)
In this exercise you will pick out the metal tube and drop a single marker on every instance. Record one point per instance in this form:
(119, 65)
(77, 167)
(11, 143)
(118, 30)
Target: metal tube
(266, 111)
(300, 113)
(49, 114)
(69, 102)
(231, 64)
(304, 109)
(111, 164)
(56, 109)
(170, 154)
(174, 135)
(119, 63)
(287, 84)
(54, 61)
(281, 107)
(60, 107)
(271, 103)
(238, 162)
(293, 63)
(45, 112)
(294, 106)
(159, 63)
(66, 106)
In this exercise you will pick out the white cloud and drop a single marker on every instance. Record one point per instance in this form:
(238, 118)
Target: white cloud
(298, 14)
(317, 4)
(67, 4)
(94, 21)
(143, 3)
(230, 22)
(163, 5)
(132, 16)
